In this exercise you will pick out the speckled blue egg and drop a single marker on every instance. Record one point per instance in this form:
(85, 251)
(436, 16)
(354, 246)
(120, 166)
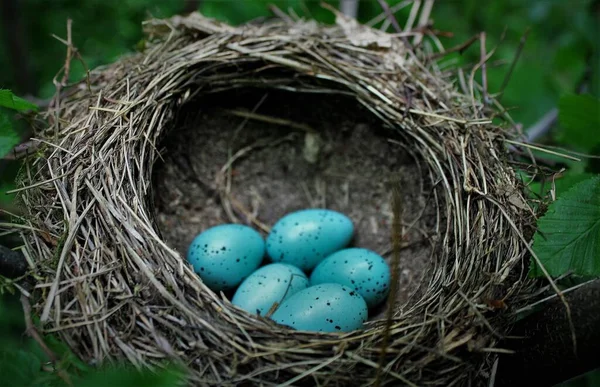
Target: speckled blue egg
(226, 254)
(360, 269)
(323, 308)
(304, 238)
(268, 285)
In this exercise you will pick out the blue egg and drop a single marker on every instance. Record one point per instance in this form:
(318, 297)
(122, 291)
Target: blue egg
(226, 254)
(304, 238)
(271, 284)
(323, 308)
(360, 269)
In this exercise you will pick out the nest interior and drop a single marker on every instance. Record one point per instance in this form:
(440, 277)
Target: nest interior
(252, 156)
(104, 232)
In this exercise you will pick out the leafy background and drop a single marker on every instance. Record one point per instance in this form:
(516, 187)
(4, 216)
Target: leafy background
(558, 68)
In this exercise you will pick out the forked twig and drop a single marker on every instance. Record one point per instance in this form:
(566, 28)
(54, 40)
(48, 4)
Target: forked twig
(392, 19)
(388, 13)
(393, 9)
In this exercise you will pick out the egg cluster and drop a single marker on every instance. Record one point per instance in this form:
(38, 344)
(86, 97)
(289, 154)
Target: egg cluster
(342, 285)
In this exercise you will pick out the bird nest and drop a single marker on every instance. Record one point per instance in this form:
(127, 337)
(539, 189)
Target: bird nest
(212, 123)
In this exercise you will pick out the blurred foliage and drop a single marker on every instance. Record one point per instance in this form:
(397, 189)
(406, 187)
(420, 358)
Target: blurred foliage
(560, 58)
(590, 379)
(102, 31)
(580, 121)
(9, 136)
(562, 37)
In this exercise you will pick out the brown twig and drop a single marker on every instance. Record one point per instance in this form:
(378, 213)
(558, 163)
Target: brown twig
(460, 48)
(513, 64)
(69, 44)
(392, 19)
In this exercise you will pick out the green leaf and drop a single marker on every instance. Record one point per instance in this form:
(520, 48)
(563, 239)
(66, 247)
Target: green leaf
(125, 376)
(11, 101)
(579, 116)
(18, 367)
(568, 236)
(8, 137)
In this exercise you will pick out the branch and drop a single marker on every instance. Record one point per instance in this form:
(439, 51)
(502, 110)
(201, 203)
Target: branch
(542, 126)
(544, 351)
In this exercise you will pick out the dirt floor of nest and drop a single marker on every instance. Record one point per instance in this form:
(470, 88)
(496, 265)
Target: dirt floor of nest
(221, 166)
